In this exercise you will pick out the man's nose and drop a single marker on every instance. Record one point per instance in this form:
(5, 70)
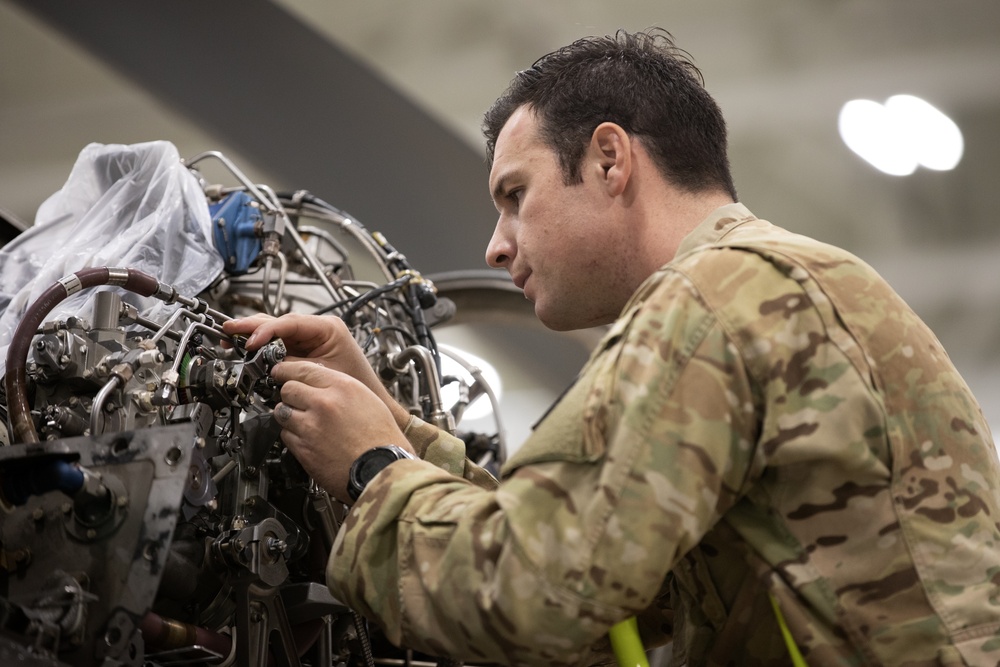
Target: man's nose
(501, 250)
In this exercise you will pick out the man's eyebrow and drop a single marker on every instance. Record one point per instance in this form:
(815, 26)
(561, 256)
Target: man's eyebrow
(499, 188)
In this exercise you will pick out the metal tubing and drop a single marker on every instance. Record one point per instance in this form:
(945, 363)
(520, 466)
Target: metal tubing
(421, 355)
(98, 406)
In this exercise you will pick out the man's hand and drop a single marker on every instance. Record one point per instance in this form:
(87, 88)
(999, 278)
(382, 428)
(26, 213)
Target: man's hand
(328, 419)
(323, 340)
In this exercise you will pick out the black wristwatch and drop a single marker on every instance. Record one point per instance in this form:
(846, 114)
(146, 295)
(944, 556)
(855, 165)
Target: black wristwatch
(369, 464)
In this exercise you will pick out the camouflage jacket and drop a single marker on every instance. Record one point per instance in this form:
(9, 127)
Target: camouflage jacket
(766, 420)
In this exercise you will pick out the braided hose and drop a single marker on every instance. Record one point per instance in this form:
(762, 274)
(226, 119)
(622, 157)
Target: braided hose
(366, 644)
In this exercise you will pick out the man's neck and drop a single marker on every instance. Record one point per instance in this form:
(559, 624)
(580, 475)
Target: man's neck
(677, 215)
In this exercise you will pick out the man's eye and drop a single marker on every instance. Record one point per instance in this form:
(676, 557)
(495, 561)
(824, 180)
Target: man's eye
(516, 195)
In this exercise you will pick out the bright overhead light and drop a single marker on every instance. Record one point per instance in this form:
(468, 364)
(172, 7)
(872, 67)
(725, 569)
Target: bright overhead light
(900, 135)
(936, 139)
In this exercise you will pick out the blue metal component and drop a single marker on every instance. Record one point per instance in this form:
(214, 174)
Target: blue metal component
(234, 227)
(20, 481)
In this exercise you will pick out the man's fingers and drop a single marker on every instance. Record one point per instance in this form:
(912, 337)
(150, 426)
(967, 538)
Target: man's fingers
(290, 357)
(245, 325)
(306, 383)
(303, 334)
(259, 327)
(298, 395)
(307, 372)
(283, 413)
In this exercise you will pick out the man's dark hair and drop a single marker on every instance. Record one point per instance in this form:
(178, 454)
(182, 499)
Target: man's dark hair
(642, 82)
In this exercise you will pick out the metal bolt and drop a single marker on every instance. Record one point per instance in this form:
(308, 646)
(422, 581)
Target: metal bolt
(122, 501)
(91, 533)
(66, 508)
(112, 636)
(38, 514)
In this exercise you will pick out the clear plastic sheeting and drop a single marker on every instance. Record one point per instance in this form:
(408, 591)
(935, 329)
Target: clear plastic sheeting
(133, 206)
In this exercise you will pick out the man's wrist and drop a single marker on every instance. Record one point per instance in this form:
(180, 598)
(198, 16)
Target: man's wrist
(401, 415)
(370, 463)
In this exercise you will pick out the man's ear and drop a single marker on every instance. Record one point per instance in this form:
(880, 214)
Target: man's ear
(611, 150)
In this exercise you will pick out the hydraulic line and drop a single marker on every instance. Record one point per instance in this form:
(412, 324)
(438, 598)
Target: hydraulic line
(484, 386)
(420, 355)
(16, 380)
(269, 308)
(371, 295)
(102, 396)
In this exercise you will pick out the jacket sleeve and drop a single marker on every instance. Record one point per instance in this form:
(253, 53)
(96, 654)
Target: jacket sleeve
(447, 452)
(625, 475)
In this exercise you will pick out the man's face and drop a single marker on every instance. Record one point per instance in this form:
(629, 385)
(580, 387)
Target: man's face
(561, 244)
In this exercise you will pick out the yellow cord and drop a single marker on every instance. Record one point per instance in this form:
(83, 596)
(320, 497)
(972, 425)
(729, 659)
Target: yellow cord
(793, 650)
(627, 645)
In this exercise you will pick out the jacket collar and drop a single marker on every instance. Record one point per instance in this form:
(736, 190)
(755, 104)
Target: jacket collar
(716, 226)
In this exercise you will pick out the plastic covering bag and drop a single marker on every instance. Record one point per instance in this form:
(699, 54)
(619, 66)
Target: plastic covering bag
(123, 206)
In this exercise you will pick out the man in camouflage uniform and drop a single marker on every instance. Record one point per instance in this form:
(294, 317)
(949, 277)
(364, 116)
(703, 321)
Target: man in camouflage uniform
(765, 423)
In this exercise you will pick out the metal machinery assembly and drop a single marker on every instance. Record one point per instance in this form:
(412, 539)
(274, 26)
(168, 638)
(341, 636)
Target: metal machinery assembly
(151, 515)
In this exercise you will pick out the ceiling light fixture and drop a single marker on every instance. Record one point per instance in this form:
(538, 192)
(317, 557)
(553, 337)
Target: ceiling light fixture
(902, 134)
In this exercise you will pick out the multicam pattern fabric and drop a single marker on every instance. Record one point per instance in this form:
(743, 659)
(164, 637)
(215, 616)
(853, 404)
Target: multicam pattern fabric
(766, 418)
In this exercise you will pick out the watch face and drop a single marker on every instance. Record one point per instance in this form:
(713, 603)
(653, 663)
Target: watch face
(366, 466)
(372, 462)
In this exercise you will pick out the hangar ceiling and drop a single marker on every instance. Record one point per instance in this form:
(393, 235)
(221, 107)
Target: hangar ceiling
(375, 106)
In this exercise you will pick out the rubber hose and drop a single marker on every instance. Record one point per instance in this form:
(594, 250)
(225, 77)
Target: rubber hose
(166, 633)
(16, 380)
